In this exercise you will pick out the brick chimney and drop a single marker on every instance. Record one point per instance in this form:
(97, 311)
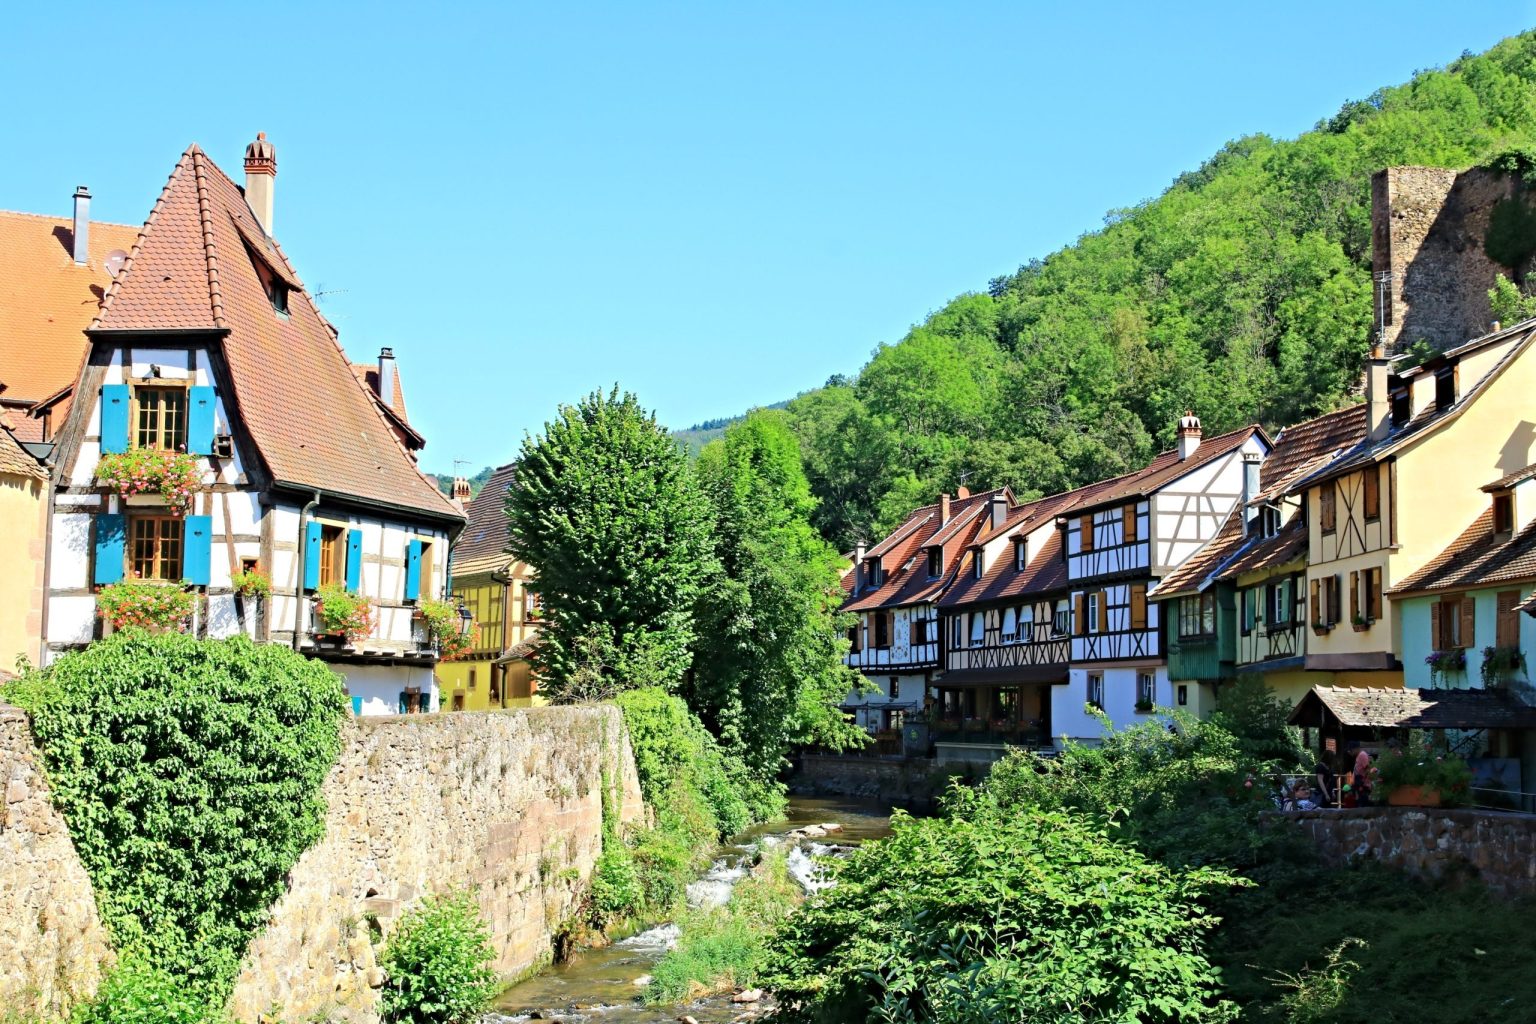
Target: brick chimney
(260, 176)
(1378, 403)
(859, 551)
(460, 491)
(944, 509)
(82, 236)
(1189, 434)
(385, 378)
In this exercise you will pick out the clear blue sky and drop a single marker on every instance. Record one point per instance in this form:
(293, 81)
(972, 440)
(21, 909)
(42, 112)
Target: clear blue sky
(716, 205)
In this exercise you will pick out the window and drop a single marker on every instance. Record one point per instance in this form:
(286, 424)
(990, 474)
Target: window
(1085, 533)
(275, 287)
(333, 554)
(1401, 406)
(1280, 602)
(978, 629)
(976, 562)
(1372, 489)
(1096, 690)
(882, 629)
(919, 631)
(427, 589)
(1325, 601)
(1061, 617)
(533, 606)
(1325, 509)
(1372, 580)
(1250, 610)
(160, 416)
(895, 688)
(935, 562)
(1019, 551)
(855, 636)
(1503, 513)
(957, 631)
(1146, 689)
(1507, 628)
(872, 571)
(1453, 622)
(1010, 626)
(1197, 615)
(1128, 524)
(1269, 519)
(1445, 388)
(471, 679)
(155, 549)
(1096, 611)
(1138, 606)
(1183, 694)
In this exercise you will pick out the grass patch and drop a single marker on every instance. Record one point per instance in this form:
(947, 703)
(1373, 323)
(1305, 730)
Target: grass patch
(725, 947)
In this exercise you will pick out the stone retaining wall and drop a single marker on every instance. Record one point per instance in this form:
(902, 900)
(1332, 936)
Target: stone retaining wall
(1497, 847)
(908, 782)
(53, 945)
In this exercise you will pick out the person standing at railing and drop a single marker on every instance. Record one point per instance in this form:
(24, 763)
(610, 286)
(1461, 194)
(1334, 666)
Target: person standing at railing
(1326, 783)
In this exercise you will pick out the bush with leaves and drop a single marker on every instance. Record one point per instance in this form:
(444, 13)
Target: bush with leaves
(133, 992)
(189, 774)
(437, 964)
(1038, 917)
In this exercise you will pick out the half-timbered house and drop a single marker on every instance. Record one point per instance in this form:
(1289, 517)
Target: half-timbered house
(1119, 542)
(207, 343)
(894, 588)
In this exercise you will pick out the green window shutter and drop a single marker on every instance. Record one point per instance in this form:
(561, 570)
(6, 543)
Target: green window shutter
(114, 418)
(197, 551)
(354, 559)
(111, 535)
(413, 570)
(312, 555)
(200, 421)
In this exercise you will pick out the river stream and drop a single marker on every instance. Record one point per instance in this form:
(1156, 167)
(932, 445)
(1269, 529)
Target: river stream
(598, 985)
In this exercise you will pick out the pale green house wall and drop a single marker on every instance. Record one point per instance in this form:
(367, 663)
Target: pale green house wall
(1417, 639)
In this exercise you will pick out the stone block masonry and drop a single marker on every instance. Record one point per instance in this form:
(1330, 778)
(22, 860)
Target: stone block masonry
(1433, 843)
(509, 803)
(53, 945)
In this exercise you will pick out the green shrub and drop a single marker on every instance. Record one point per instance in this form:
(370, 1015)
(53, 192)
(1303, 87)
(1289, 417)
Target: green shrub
(616, 889)
(189, 773)
(137, 993)
(1428, 767)
(1030, 917)
(437, 964)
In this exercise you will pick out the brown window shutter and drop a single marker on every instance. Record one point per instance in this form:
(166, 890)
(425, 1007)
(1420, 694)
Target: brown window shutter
(1085, 532)
(1436, 627)
(1468, 621)
(1354, 596)
(1317, 602)
(1128, 524)
(1507, 633)
(1103, 611)
(1079, 614)
(1139, 606)
(1372, 492)
(1373, 597)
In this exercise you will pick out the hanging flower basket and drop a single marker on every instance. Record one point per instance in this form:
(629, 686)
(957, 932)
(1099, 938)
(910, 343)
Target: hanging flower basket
(251, 584)
(1442, 663)
(444, 629)
(157, 607)
(174, 476)
(343, 614)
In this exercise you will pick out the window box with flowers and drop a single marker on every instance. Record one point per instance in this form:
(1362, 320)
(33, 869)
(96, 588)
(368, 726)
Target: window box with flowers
(143, 604)
(342, 615)
(1501, 664)
(446, 629)
(1443, 663)
(145, 472)
(251, 584)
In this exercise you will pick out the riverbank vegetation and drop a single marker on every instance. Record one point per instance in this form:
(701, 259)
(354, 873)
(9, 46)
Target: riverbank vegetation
(966, 917)
(189, 774)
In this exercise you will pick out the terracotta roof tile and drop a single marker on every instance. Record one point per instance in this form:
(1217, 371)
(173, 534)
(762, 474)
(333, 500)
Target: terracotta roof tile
(1045, 573)
(47, 301)
(1478, 557)
(368, 375)
(311, 419)
(15, 460)
(904, 564)
(1270, 552)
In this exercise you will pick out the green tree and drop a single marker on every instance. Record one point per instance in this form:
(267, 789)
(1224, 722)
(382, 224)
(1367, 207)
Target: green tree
(437, 964)
(769, 670)
(606, 510)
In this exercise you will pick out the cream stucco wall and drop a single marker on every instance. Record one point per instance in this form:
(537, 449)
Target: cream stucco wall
(22, 518)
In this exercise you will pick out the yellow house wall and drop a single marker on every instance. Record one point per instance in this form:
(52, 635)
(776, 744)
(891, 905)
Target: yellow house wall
(1355, 545)
(471, 678)
(21, 569)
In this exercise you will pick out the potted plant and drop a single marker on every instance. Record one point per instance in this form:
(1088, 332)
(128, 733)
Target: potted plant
(1419, 776)
(251, 583)
(1442, 663)
(175, 476)
(1360, 623)
(445, 629)
(1319, 627)
(1500, 664)
(157, 607)
(342, 614)
(1143, 706)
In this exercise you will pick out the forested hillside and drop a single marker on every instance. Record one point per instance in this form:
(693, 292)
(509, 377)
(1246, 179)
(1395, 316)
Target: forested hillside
(1242, 292)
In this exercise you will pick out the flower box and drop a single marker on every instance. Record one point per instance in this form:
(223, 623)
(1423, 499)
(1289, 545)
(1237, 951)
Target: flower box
(1414, 796)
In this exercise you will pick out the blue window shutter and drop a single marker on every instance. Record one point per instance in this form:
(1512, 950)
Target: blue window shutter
(114, 418)
(312, 556)
(200, 421)
(413, 570)
(197, 549)
(354, 559)
(111, 531)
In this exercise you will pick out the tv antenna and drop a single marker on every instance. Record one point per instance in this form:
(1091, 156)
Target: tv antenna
(114, 263)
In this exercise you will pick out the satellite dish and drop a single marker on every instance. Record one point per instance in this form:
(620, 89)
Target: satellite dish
(115, 260)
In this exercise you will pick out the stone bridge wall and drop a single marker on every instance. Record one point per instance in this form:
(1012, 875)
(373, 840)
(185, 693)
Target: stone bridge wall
(1498, 847)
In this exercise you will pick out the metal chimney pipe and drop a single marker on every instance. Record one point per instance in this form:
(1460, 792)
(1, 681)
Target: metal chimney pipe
(386, 376)
(82, 235)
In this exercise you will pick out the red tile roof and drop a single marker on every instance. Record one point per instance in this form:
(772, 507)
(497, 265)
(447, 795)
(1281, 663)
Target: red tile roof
(368, 375)
(1284, 547)
(1477, 558)
(1191, 575)
(313, 422)
(904, 564)
(1507, 481)
(1046, 572)
(14, 459)
(47, 301)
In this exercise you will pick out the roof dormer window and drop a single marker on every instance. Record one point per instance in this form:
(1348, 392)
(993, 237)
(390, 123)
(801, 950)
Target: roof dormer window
(1402, 405)
(271, 282)
(976, 563)
(872, 572)
(935, 562)
(1019, 550)
(1445, 388)
(1504, 513)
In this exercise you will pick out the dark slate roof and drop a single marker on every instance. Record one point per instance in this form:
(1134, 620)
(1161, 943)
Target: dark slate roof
(482, 547)
(1393, 708)
(1479, 557)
